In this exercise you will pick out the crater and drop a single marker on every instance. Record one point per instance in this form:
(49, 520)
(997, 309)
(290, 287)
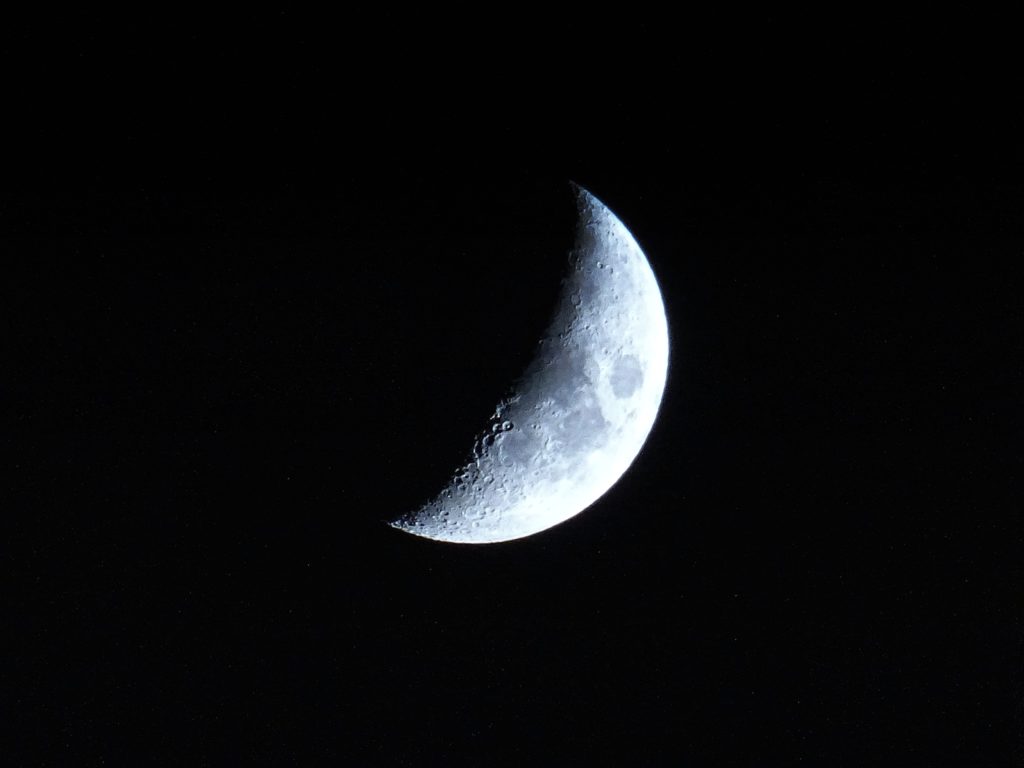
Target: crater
(626, 376)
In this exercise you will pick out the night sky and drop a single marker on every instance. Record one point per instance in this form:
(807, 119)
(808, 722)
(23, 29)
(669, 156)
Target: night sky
(265, 278)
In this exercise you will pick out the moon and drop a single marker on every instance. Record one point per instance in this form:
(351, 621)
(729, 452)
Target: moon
(580, 413)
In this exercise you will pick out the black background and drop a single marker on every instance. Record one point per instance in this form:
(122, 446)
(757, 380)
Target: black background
(265, 277)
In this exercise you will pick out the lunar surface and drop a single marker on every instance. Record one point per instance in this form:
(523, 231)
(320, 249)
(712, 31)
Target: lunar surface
(580, 413)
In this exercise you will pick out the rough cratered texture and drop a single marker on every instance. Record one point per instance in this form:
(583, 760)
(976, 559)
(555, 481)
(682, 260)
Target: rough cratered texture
(581, 411)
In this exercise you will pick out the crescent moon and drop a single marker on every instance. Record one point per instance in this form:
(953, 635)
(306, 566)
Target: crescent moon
(582, 410)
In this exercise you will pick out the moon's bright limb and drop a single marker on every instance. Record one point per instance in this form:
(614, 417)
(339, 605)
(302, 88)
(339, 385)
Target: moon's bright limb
(581, 411)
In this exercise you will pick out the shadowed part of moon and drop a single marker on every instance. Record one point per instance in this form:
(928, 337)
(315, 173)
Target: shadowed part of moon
(581, 411)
